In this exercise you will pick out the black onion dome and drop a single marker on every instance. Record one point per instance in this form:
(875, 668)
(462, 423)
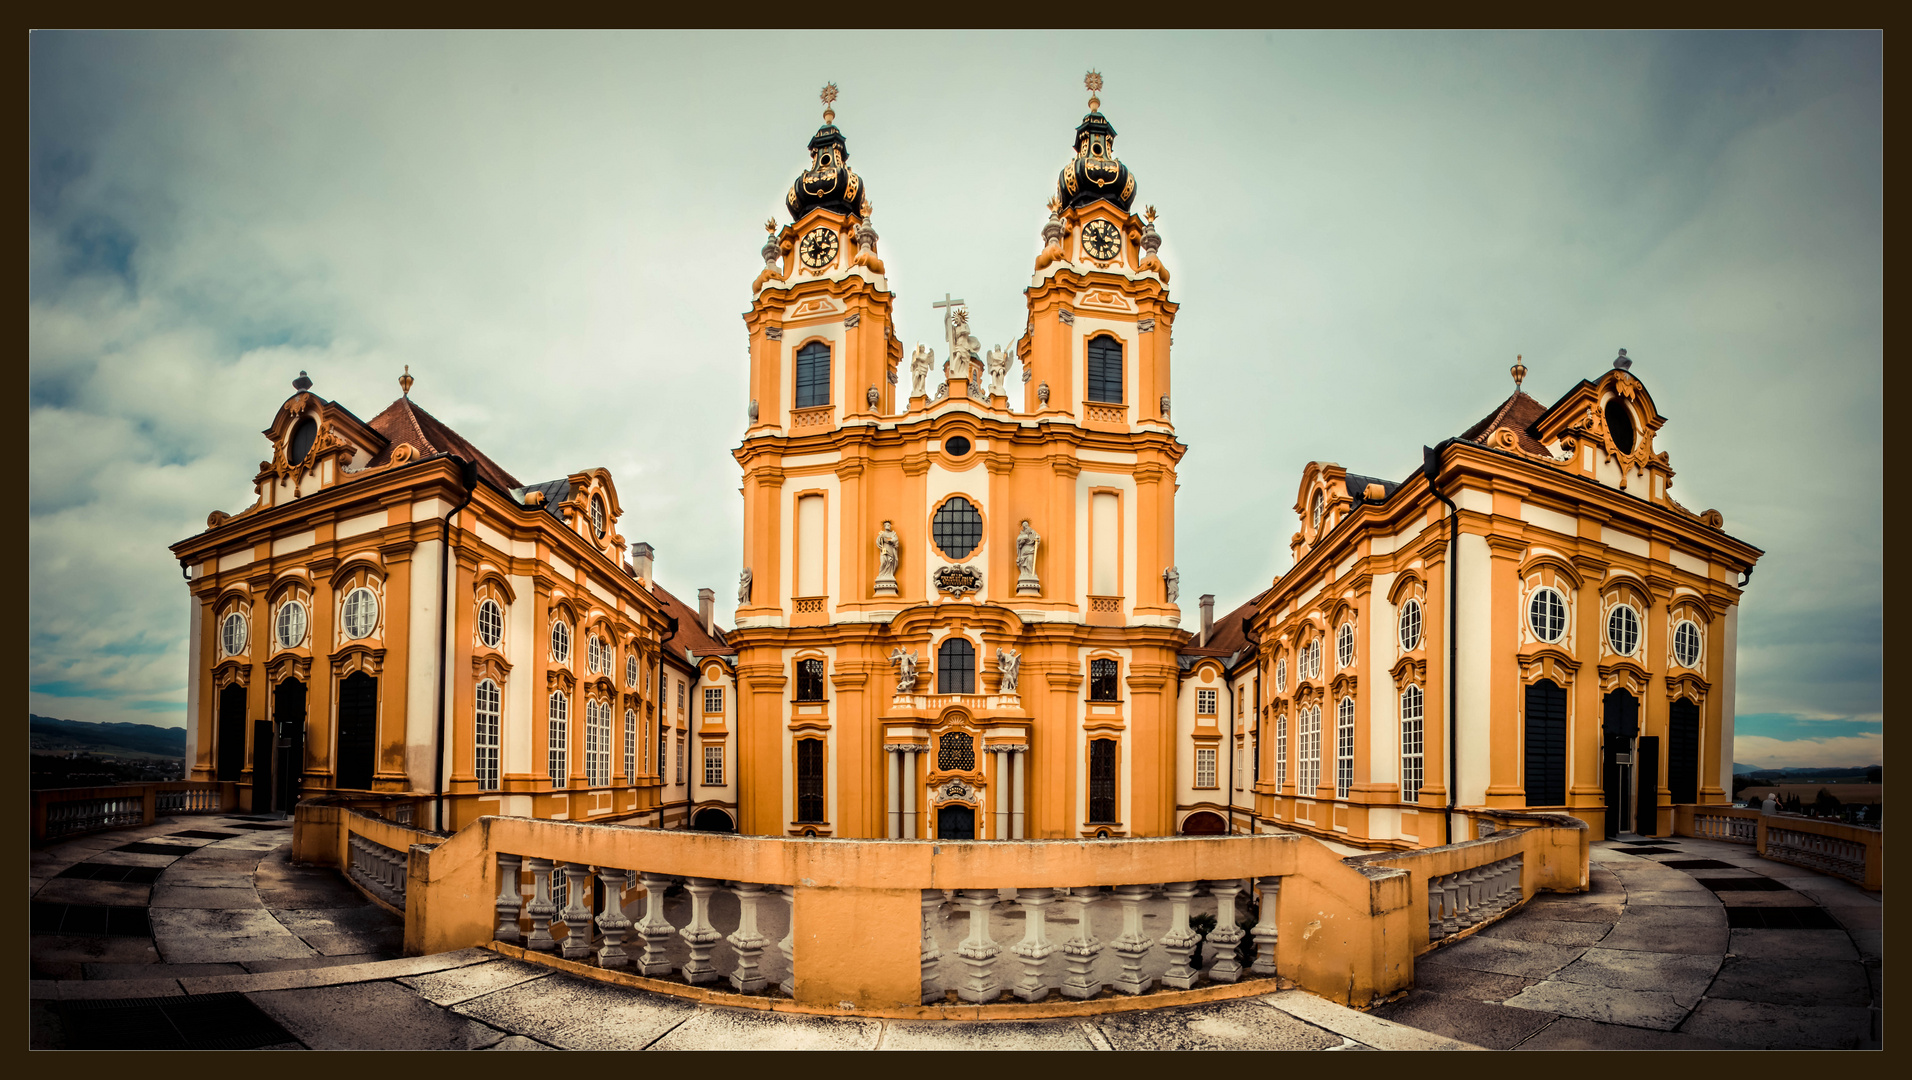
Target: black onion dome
(829, 182)
(1094, 173)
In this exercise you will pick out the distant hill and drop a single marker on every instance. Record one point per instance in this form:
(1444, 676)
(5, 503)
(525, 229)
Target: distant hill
(49, 735)
(1738, 768)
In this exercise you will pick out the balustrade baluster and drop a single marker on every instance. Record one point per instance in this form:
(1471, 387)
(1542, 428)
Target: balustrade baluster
(978, 951)
(611, 922)
(541, 909)
(1133, 944)
(1222, 962)
(700, 935)
(1266, 932)
(1181, 941)
(748, 978)
(1450, 904)
(577, 911)
(1080, 951)
(509, 902)
(1434, 931)
(788, 946)
(1034, 947)
(654, 928)
(932, 953)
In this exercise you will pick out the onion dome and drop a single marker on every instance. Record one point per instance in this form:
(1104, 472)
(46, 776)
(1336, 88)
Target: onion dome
(829, 182)
(1094, 173)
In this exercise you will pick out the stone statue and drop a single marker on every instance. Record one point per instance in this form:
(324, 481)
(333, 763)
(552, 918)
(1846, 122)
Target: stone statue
(871, 396)
(1009, 663)
(963, 362)
(1165, 406)
(1027, 541)
(906, 669)
(743, 586)
(886, 558)
(1042, 394)
(920, 362)
(1172, 583)
(753, 410)
(998, 365)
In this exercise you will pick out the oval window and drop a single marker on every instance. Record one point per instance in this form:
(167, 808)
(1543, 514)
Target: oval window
(1623, 629)
(956, 445)
(1547, 615)
(1620, 425)
(491, 623)
(301, 442)
(597, 515)
(957, 528)
(232, 634)
(1410, 625)
(1686, 643)
(360, 612)
(291, 624)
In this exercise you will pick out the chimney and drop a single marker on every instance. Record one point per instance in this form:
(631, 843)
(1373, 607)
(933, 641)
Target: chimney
(707, 610)
(1208, 617)
(643, 559)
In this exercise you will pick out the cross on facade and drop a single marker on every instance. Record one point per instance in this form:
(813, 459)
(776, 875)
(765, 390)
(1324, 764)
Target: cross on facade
(949, 325)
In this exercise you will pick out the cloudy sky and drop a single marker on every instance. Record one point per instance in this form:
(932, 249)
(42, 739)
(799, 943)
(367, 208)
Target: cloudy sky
(558, 233)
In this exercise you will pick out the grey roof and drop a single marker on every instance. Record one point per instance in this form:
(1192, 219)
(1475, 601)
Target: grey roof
(555, 492)
(1358, 484)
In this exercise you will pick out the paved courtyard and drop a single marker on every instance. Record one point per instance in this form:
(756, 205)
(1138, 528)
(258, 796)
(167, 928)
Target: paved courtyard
(197, 932)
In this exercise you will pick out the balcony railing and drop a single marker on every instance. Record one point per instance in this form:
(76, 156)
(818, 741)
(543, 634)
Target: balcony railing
(64, 812)
(1852, 852)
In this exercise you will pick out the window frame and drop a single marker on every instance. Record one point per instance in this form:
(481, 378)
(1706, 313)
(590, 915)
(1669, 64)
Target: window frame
(956, 674)
(1558, 598)
(1343, 747)
(1111, 798)
(810, 678)
(1413, 704)
(811, 776)
(1105, 675)
(1632, 617)
(1281, 675)
(594, 654)
(1207, 701)
(597, 744)
(287, 607)
(487, 728)
(1205, 759)
(630, 743)
(491, 614)
(1096, 366)
(954, 522)
(806, 380)
(713, 693)
(713, 764)
(1309, 752)
(1344, 646)
(630, 671)
(557, 760)
(232, 634)
(1281, 750)
(1691, 631)
(346, 609)
(1410, 615)
(559, 639)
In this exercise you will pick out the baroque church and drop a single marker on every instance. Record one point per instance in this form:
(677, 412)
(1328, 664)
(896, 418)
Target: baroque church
(959, 615)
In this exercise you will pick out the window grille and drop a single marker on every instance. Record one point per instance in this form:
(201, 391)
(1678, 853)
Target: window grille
(956, 752)
(956, 667)
(809, 680)
(1105, 370)
(1410, 625)
(1205, 702)
(630, 671)
(291, 624)
(810, 781)
(1623, 629)
(682, 772)
(595, 652)
(957, 528)
(630, 744)
(1281, 675)
(1413, 732)
(560, 726)
(1102, 781)
(1686, 643)
(813, 375)
(1547, 615)
(683, 688)
(713, 699)
(1102, 679)
(1204, 767)
(491, 624)
(1344, 646)
(1343, 747)
(486, 734)
(714, 765)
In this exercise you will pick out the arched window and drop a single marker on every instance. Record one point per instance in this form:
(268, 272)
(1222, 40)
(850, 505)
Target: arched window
(1105, 370)
(630, 744)
(560, 728)
(956, 667)
(1410, 625)
(301, 442)
(1343, 747)
(956, 752)
(597, 744)
(486, 734)
(1281, 750)
(1315, 513)
(1310, 750)
(813, 375)
(1620, 425)
(597, 515)
(1546, 744)
(1413, 760)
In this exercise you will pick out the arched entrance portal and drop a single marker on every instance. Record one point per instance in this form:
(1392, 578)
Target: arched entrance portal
(955, 822)
(711, 819)
(1204, 823)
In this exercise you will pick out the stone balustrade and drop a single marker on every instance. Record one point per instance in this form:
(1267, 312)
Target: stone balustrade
(1464, 886)
(1728, 824)
(379, 869)
(1853, 852)
(1817, 851)
(1470, 898)
(64, 812)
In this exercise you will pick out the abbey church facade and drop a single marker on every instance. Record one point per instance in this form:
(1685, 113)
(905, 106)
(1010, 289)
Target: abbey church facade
(958, 615)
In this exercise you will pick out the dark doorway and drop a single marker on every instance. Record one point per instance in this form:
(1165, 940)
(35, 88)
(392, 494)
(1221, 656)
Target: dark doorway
(288, 766)
(955, 823)
(1683, 752)
(1546, 744)
(1619, 723)
(358, 731)
(1203, 823)
(1646, 766)
(232, 732)
(261, 766)
(711, 819)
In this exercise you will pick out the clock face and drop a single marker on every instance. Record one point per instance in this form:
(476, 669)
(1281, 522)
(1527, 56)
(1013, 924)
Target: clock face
(1100, 240)
(818, 248)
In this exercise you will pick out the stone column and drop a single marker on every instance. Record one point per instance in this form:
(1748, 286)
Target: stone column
(1016, 792)
(653, 960)
(611, 921)
(1181, 941)
(1265, 932)
(978, 951)
(1080, 951)
(999, 825)
(509, 902)
(910, 784)
(1223, 964)
(932, 953)
(788, 946)
(894, 754)
(1450, 903)
(1034, 947)
(749, 943)
(577, 911)
(1133, 944)
(700, 935)
(541, 908)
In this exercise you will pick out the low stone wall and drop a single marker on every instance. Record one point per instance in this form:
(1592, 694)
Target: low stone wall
(62, 812)
(1833, 847)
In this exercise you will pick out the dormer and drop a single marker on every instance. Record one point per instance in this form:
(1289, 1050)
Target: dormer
(1604, 430)
(1321, 503)
(315, 443)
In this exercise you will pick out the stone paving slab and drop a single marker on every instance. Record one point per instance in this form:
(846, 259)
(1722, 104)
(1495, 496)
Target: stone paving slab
(1741, 898)
(1782, 982)
(1683, 976)
(578, 1014)
(744, 1029)
(1696, 897)
(1608, 1005)
(1667, 937)
(463, 984)
(1548, 931)
(214, 935)
(102, 893)
(1000, 1035)
(1783, 1027)
(368, 917)
(1793, 945)
(1558, 909)
(1527, 959)
(337, 975)
(85, 948)
(168, 895)
(1483, 1023)
(1229, 1025)
(518, 1042)
(1573, 1033)
(314, 962)
(391, 941)
(1463, 982)
(159, 970)
(1363, 1028)
(372, 1016)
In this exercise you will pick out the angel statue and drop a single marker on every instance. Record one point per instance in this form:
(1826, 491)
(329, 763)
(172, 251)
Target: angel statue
(920, 362)
(998, 364)
(906, 671)
(1009, 663)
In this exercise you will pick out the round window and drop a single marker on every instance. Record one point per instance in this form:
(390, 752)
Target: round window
(232, 634)
(957, 528)
(491, 623)
(1315, 514)
(1344, 646)
(630, 670)
(1410, 625)
(301, 442)
(597, 515)
(1620, 425)
(1547, 615)
(1623, 629)
(1686, 643)
(956, 445)
(360, 613)
(1281, 675)
(291, 624)
(560, 642)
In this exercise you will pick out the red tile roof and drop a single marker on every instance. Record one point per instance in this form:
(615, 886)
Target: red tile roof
(404, 422)
(690, 628)
(1229, 635)
(1519, 413)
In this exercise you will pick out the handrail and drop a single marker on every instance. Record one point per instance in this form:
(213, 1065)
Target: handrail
(59, 813)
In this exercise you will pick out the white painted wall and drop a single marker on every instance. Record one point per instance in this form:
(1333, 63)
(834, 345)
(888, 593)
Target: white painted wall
(517, 727)
(1475, 638)
(421, 704)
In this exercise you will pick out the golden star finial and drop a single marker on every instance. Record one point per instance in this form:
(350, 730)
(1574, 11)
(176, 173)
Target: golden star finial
(1149, 214)
(1519, 372)
(770, 226)
(1093, 81)
(829, 95)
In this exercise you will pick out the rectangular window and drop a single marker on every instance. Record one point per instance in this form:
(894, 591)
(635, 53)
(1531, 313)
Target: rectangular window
(559, 731)
(810, 781)
(487, 735)
(1546, 749)
(681, 777)
(630, 744)
(1343, 748)
(1310, 778)
(1281, 751)
(713, 699)
(1205, 767)
(1102, 781)
(1254, 754)
(813, 375)
(597, 744)
(714, 765)
(1205, 702)
(1105, 531)
(1104, 356)
(1102, 680)
(1413, 762)
(809, 680)
(682, 687)
(810, 545)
